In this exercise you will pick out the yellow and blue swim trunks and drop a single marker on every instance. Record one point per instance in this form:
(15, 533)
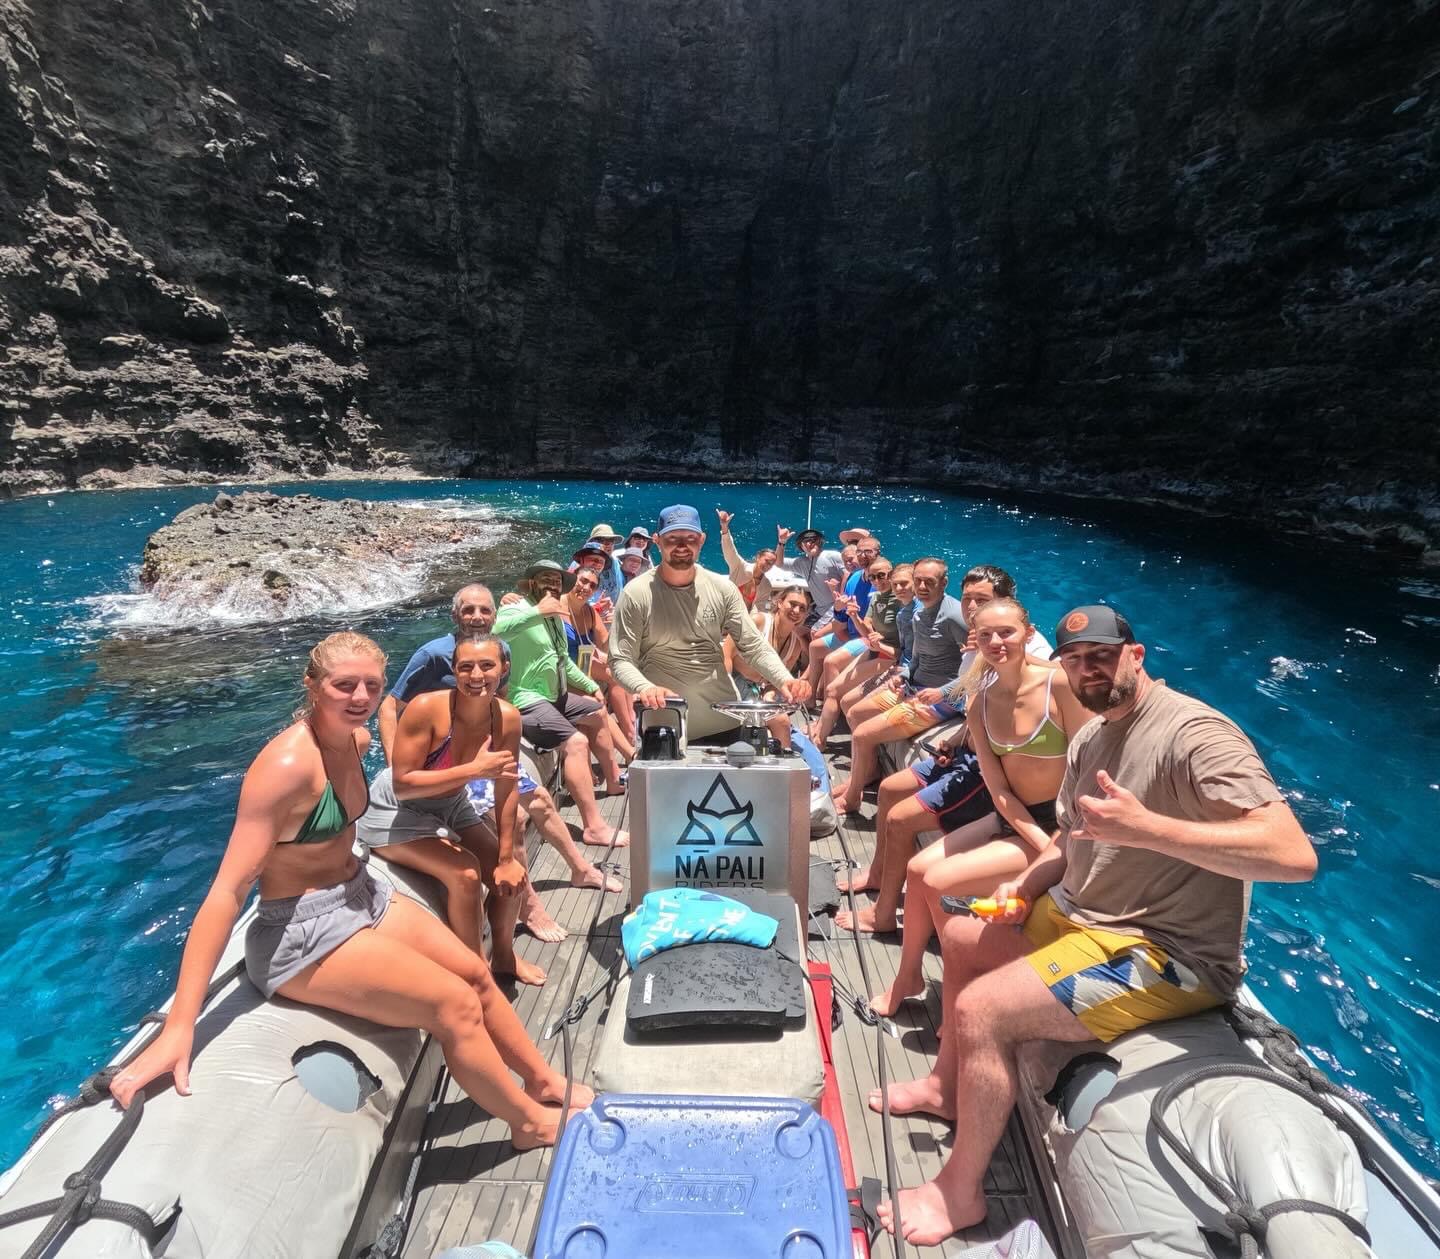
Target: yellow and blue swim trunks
(1112, 983)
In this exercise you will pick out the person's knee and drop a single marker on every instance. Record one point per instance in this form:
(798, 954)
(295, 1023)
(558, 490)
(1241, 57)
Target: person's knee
(464, 881)
(934, 880)
(973, 1020)
(910, 817)
(542, 805)
(575, 742)
(896, 787)
(460, 1012)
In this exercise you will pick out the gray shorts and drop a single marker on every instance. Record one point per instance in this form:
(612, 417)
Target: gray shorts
(293, 932)
(392, 821)
(545, 725)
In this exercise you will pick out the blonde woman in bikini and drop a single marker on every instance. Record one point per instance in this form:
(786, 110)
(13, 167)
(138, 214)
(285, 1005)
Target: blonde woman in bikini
(329, 934)
(1022, 716)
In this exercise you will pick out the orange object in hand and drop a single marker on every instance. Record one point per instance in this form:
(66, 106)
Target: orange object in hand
(989, 907)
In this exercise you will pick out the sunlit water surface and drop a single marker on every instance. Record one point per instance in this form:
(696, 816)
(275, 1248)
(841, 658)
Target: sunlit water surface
(126, 738)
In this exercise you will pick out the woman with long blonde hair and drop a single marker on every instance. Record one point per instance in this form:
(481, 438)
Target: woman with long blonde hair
(1021, 716)
(327, 933)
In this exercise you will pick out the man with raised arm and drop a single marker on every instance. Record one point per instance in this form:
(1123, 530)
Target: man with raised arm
(822, 571)
(1136, 914)
(669, 631)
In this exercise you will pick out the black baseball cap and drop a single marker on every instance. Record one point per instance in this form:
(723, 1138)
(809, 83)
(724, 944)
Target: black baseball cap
(806, 534)
(1093, 623)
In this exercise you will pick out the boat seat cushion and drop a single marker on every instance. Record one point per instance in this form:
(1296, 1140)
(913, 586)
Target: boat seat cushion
(1131, 1200)
(259, 1164)
(715, 1063)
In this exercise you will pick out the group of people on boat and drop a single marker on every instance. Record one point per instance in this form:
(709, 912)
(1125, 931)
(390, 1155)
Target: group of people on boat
(1118, 822)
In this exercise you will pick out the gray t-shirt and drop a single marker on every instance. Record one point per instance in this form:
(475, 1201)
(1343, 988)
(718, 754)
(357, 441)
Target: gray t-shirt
(817, 574)
(1184, 760)
(937, 656)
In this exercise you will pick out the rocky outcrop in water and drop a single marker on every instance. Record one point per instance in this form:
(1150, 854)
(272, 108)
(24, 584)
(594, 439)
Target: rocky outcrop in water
(264, 557)
(1187, 254)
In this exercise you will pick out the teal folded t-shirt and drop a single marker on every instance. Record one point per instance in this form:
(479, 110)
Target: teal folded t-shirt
(670, 917)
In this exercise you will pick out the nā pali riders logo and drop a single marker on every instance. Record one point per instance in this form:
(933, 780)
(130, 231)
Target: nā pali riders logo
(710, 825)
(719, 820)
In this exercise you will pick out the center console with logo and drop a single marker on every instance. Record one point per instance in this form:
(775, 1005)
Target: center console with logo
(717, 1017)
(716, 818)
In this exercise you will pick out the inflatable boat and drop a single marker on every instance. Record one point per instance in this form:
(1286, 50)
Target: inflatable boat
(310, 1134)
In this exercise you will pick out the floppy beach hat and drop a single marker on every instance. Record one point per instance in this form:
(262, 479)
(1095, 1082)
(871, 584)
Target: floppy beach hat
(639, 531)
(630, 552)
(604, 533)
(782, 579)
(1093, 623)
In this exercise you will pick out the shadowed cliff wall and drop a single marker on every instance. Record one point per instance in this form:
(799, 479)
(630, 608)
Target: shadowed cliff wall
(1186, 252)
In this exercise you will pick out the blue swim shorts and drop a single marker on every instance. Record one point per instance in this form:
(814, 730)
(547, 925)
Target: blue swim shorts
(954, 793)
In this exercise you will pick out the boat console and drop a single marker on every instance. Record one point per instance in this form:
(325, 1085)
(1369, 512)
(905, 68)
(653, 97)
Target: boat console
(718, 817)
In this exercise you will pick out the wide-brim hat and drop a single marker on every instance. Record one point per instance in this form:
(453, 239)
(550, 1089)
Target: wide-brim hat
(590, 548)
(639, 531)
(782, 580)
(567, 579)
(604, 533)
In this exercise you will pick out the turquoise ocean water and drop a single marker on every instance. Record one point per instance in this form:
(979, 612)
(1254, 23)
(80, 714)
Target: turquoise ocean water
(125, 741)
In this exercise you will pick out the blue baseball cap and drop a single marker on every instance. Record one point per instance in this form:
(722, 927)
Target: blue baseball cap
(680, 516)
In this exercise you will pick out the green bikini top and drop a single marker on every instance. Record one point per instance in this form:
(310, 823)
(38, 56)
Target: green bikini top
(1048, 742)
(327, 819)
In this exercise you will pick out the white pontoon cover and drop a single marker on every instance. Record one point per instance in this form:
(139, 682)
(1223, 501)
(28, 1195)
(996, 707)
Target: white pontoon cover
(257, 1163)
(1129, 1195)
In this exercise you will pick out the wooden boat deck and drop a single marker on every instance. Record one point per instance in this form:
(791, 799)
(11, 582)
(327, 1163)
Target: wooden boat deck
(471, 1187)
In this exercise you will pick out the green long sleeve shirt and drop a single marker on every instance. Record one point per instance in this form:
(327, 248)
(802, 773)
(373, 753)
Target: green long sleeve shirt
(537, 654)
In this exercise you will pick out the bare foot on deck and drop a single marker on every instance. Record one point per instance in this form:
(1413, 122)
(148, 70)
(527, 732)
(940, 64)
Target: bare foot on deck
(518, 968)
(600, 836)
(552, 1092)
(534, 1136)
(887, 1003)
(543, 927)
(597, 878)
(841, 794)
(865, 919)
(859, 881)
(914, 1097)
(933, 1212)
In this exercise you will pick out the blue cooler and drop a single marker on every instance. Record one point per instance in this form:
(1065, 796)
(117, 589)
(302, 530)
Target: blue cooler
(642, 1176)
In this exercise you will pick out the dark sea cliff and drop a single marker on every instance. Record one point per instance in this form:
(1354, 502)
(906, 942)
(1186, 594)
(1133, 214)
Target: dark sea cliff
(1180, 253)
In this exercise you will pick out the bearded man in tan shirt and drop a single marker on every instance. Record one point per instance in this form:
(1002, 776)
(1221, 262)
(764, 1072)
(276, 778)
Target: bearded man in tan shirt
(1136, 913)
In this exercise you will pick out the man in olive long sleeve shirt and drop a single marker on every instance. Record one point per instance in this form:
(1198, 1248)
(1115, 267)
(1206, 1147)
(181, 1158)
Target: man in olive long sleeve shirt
(553, 695)
(670, 626)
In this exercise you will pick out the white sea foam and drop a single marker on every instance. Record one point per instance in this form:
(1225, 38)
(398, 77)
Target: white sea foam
(320, 584)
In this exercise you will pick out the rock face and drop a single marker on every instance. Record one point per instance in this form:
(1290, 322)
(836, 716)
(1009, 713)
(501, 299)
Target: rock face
(1183, 253)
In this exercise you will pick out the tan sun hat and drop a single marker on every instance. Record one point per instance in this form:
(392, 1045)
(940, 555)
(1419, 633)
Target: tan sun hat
(605, 533)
